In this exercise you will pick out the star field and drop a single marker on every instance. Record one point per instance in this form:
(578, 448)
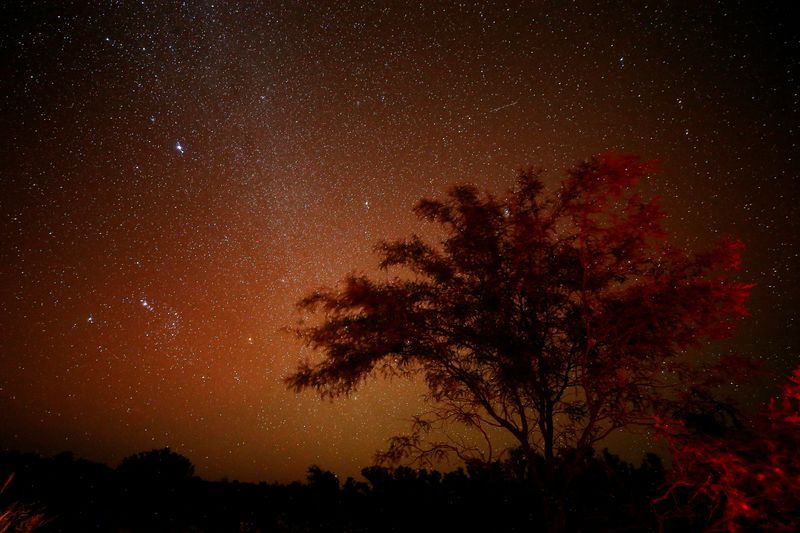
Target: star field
(175, 176)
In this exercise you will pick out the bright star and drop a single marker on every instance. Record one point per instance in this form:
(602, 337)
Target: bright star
(179, 147)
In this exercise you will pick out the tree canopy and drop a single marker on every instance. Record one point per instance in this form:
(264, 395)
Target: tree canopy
(557, 316)
(162, 465)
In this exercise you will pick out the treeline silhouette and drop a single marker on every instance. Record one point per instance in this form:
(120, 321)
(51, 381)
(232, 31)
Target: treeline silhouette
(157, 491)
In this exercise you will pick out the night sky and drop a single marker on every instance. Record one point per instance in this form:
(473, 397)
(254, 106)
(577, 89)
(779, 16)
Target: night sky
(175, 176)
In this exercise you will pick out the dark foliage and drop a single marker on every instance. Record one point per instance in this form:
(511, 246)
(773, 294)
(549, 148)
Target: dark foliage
(158, 466)
(603, 493)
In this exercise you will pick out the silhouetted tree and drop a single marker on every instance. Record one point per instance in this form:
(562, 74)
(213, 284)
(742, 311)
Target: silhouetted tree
(161, 466)
(323, 496)
(324, 480)
(556, 317)
(735, 478)
(155, 485)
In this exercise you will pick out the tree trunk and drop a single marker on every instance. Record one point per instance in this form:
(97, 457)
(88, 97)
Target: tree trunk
(555, 496)
(547, 433)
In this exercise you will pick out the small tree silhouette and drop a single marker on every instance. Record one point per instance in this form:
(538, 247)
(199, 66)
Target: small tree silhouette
(322, 480)
(161, 465)
(157, 485)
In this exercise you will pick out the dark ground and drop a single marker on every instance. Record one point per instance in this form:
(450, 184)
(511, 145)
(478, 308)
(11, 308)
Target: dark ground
(157, 492)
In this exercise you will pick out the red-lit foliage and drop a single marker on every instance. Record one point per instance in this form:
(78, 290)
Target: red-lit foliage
(741, 480)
